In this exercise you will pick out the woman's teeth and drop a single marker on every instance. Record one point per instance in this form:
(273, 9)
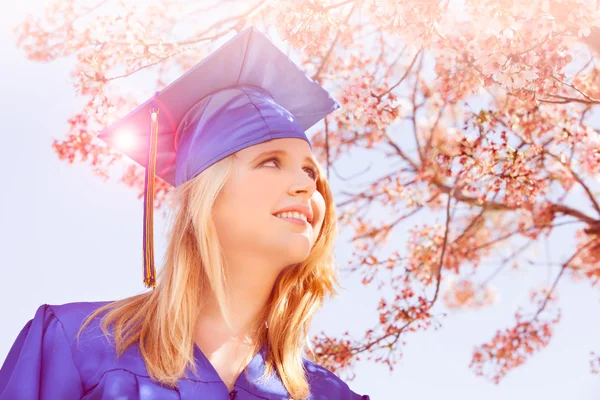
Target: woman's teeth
(296, 215)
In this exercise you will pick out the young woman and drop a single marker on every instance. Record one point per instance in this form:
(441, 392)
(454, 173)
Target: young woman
(249, 258)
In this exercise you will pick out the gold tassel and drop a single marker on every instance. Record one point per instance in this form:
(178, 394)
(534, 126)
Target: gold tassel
(148, 249)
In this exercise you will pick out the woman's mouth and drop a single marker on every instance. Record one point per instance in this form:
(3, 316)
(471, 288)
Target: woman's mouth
(293, 217)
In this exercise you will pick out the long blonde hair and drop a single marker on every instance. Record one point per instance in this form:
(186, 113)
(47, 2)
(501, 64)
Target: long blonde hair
(162, 321)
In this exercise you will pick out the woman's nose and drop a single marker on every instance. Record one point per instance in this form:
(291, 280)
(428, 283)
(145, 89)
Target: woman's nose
(303, 184)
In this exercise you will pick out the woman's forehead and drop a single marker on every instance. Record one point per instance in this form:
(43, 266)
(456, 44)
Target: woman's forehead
(284, 147)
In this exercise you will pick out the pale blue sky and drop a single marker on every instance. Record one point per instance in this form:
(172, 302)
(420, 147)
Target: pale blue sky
(67, 236)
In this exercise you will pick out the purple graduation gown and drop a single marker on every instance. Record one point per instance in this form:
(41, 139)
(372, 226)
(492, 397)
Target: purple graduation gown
(45, 362)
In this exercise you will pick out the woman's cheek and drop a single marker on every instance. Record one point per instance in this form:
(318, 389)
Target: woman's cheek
(318, 207)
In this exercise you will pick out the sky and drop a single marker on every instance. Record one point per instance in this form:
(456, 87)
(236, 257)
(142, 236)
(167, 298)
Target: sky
(66, 236)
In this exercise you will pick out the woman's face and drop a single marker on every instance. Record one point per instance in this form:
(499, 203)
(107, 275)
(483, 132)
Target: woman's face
(266, 179)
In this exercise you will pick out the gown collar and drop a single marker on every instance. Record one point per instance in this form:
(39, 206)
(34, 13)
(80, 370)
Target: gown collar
(248, 382)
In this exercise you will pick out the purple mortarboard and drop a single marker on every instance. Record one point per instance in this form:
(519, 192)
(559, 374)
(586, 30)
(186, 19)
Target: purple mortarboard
(244, 93)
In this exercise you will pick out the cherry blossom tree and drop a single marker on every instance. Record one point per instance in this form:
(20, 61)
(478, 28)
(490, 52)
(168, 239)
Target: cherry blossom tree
(478, 112)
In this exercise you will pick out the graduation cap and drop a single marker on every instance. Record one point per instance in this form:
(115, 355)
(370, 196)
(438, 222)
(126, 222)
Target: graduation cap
(244, 93)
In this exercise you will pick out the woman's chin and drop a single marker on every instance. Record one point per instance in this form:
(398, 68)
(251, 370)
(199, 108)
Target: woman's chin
(295, 250)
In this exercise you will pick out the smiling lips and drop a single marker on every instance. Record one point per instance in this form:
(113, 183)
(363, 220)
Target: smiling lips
(295, 217)
(297, 213)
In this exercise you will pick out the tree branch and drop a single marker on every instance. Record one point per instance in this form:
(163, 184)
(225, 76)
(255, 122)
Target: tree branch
(444, 246)
(562, 270)
(330, 50)
(406, 73)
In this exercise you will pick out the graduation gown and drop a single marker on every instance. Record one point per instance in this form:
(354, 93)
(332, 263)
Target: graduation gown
(46, 362)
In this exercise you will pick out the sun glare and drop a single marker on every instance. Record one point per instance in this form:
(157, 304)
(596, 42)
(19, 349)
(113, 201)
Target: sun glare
(125, 141)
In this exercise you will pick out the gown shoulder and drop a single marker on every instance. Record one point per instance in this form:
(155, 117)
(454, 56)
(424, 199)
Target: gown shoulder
(48, 361)
(324, 384)
(43, 359)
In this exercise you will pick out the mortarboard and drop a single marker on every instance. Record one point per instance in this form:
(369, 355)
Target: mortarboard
(246, 92)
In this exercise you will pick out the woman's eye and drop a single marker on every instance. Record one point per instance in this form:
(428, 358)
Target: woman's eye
(275, 162)
(312, 173)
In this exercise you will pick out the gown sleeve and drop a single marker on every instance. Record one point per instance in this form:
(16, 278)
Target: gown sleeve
(40, 363)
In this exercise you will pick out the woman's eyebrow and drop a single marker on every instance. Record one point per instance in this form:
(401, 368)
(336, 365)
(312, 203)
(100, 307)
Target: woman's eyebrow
(285, 154)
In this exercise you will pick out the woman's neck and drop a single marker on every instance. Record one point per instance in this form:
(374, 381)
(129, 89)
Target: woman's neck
(250, 283)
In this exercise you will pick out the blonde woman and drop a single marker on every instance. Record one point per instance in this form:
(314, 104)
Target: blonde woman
(249, 258)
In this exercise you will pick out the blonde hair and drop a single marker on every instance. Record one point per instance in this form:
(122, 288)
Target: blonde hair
(162, 321)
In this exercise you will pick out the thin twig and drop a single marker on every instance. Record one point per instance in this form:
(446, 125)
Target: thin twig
(315, 77)
(406, 73)
(562, 270)
(444, 247)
